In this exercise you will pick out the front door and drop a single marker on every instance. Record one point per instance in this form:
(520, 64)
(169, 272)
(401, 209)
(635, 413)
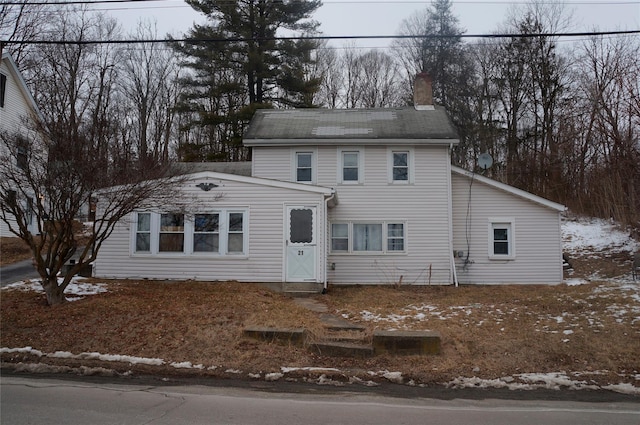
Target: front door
(301, 257)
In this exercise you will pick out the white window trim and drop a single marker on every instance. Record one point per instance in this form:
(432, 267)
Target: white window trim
(189, 230)
(340, 165)
(314, 165)
(410, 165)
(385, 237)
(510, 224)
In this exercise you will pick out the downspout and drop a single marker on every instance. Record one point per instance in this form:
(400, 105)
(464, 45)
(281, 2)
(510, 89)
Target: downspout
(325, 282)
(450, 217)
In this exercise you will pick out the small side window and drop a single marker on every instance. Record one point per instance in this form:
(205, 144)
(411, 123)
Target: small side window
(501, 240)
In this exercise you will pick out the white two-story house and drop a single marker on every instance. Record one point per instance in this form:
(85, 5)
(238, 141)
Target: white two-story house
(346, 197)
(17, 106)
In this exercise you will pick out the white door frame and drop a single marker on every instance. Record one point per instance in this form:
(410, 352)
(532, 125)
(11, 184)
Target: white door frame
(302, 254)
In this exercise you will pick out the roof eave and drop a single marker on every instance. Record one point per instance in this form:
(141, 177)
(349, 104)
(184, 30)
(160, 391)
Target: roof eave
(351, 141)
(510, 189)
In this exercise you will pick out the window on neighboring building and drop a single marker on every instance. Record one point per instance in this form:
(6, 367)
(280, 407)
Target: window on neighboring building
(501, 240)
(206, 233)
(22, 153)
(367, 237)
(304, 166)
(171, 237)
(3, 89)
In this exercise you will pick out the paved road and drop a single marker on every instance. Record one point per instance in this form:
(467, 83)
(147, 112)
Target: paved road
(49, 401)
(17, 271)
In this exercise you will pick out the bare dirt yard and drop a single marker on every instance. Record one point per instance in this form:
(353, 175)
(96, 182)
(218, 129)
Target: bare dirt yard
(581, 335)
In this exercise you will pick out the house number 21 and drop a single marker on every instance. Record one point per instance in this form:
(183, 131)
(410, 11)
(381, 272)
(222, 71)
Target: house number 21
(300, 252)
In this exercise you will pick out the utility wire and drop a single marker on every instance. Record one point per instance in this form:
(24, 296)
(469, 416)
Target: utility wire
(319, 37)
(569, 2)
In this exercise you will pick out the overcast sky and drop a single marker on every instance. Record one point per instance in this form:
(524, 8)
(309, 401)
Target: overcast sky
(384, 17)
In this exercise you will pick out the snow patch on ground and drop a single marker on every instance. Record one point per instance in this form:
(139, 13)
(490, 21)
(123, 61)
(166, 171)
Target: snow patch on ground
(596, 234)
(77, 289)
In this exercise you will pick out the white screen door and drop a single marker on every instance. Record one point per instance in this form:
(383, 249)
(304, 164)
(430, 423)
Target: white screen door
(301, 255)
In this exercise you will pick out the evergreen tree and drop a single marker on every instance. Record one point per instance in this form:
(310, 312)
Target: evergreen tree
(243, 66)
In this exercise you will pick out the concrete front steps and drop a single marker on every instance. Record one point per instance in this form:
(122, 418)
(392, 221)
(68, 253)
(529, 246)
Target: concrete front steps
(345, 339)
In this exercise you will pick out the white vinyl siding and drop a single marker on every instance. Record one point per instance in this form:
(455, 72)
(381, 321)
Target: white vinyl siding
(420, 207)
(17, 107)
(259, 235)
(535, 245)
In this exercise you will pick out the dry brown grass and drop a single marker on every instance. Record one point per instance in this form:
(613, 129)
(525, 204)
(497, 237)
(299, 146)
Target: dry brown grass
(489, 332)
(13, 250)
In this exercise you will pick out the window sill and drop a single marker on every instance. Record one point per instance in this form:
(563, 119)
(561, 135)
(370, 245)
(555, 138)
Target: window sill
(502, 257)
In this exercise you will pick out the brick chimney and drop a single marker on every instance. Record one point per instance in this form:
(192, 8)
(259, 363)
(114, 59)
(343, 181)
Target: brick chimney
(422, 92)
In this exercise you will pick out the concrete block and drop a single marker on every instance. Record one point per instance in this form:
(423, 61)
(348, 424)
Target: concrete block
(406, 342)
(294, 336)
(343, 349)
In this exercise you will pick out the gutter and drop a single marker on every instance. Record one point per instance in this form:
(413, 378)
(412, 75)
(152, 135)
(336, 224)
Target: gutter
(450, 218)
(329, 202)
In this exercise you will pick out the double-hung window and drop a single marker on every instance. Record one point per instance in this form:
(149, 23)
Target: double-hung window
(501, 239)
(367, 237)
(350, 166)
(171, 237)
(206, 233)
(304, 167)
(143, 233)
(400, 165)
(235, 234)
(395, 237)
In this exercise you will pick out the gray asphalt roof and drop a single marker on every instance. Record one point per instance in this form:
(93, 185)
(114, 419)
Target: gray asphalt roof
(333, 126)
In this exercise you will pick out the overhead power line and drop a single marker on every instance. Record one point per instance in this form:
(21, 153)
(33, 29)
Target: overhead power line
(320, 37)
(89, 2)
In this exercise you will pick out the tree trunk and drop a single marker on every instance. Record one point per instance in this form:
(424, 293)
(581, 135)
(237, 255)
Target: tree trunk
(54, 293)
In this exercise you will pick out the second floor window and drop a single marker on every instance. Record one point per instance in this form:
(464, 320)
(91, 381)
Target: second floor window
(350, 167)
(400, 169)
(304, 166)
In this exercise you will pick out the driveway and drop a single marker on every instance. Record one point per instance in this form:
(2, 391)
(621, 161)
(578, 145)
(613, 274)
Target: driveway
(16, 272)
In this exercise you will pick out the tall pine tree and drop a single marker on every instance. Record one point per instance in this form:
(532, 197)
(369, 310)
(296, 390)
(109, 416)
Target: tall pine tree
(243, 66)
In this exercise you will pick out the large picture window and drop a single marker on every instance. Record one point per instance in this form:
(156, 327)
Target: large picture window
(219, 232)
(367, 237)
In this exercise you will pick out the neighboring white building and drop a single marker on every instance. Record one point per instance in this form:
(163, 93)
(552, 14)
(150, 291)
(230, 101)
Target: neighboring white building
(16, 104)
(346, 197)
